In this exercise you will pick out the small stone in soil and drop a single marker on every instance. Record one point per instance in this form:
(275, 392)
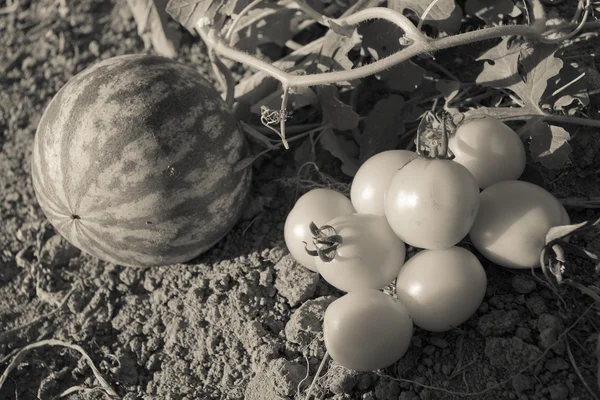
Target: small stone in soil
(340, 380)
(387, 389)
(559, 391)
(523, 284)
(523, 333)
(536, 304)
(438, 342)
(546, 321)
(522, 383)
(498, 322)
(410, 395)
(556, 364)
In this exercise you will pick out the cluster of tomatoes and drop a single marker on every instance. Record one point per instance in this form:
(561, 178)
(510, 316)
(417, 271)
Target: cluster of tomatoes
(401, 198)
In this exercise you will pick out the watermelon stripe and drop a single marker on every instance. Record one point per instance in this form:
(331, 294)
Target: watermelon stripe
(46, 198)
(42, 178)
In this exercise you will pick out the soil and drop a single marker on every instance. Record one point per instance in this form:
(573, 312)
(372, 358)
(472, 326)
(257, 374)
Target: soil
(242, 321)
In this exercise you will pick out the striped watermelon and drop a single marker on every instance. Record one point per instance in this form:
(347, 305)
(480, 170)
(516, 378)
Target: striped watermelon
(133, 162)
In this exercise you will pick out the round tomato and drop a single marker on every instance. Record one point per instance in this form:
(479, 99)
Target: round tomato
(372, 179)
(513, 220)
(432, 203)
(318, 206)
(369, 256)
(441, 288)
(366, 330)
(489, 149)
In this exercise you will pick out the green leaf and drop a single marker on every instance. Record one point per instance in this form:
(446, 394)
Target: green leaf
(343, 30)
(339, 114)
(567, 91)
(270, 23)
(492, 11)
(305, 152)
(298, 98)
(380, 38)
(521, 68)
(445, 15)
(334, 52)
(382, 127)
(189, 12)
(549, 144)
(405, 77)
(338, 147)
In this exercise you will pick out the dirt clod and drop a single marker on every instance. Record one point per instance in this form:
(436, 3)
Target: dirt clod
(293, 281)
(306, 323)
(498, 322)
(57, 251)
(523, 284)
(512, 353)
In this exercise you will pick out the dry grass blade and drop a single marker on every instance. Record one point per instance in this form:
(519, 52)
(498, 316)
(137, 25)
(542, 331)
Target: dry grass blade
(52, 342)
(4, 335)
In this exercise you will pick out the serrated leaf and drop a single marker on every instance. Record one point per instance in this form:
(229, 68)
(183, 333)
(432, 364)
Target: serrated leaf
(380, 38)
(334, 53)
(532, 175)
(549, 143)
(342, 30)
(492, 11)
(304, 153)
(299, 98)
(333, 144)
(404, 77)
(521, 68)
(339, 114)
(270, 23)
(568, 87)
(260, 138)
(189, 12)
(382, 127)
(445, 15)
(151, 19)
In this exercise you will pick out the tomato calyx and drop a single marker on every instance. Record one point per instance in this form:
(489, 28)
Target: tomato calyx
(326, 241)
(432, 136)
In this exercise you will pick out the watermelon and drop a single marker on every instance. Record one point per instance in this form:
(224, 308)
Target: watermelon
(133, 162)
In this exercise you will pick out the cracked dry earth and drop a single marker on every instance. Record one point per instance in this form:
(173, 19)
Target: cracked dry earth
(242, 320)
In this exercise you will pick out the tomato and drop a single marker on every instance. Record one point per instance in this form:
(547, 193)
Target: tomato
(513, 221)
(366, 330)
(319, 206)
(489, 149)
(372, 179)
(432, 203)
(441, 288)
(369, 256)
